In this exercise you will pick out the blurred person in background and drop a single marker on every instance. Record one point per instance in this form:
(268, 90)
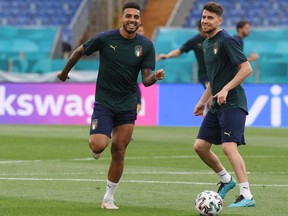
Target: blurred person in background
(195, 44)
(123, 53)
(243, 30)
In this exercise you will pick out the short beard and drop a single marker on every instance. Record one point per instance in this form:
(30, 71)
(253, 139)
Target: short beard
(210, 31)
(129, 31)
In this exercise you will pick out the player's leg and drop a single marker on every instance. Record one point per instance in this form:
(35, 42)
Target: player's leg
(232, 126)
(245, 199)
(98, 143)
(120, 140)
(210, 132)
(203, 149)
(100, 129)
(231, 151)
(121, 136)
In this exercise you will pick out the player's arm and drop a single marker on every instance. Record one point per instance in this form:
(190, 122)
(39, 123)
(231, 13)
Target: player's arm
(149, 78)
(244, 71)
(200, 106)
(186, 47)
(172, 54)
(73, 59)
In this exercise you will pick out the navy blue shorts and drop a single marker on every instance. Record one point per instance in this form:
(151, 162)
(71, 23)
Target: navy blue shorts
(103, 119)
(227, 126)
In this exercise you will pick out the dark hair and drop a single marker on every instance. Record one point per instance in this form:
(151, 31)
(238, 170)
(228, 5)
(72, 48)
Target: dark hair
(131, 5)
(199, 24)
(214, 8)
(240, 24)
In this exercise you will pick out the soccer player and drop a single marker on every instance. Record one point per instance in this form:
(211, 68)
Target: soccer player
(194, 44)
(243, 30)
(123, 53)
(227, 67)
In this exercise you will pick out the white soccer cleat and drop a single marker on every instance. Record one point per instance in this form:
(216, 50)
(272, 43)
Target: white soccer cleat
(109, 204)
(95, 156)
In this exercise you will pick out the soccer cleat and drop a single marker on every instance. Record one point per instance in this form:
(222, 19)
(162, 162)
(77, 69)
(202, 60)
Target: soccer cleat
(109, 204)
(95, 156)
(242, 202)
(225, 187)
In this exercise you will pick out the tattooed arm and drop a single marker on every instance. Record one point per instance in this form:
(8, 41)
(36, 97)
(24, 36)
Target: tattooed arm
(149, 78)
(73, 59)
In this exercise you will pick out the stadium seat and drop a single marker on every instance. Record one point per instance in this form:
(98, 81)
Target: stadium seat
(36, 12)
(253, 10)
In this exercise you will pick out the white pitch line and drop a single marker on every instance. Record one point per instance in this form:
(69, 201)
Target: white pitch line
(132, 181)
(133, 158)
(178, 157)
(136, 173)
(102, 173)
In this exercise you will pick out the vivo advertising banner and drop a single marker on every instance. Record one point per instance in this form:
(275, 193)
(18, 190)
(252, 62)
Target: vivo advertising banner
(61, 103)
(267, 104)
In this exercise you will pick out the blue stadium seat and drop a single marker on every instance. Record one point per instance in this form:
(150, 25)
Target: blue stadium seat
(38, 12)
(259, 13)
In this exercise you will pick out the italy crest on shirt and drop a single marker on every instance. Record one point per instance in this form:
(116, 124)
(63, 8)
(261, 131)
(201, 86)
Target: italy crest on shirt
(138, 50)
(215, 49)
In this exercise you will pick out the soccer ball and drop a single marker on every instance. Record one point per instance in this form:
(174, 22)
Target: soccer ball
(208, 203)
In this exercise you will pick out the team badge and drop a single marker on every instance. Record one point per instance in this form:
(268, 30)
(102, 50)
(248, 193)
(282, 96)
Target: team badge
(138, 50)
(94, 124)
(215, 49)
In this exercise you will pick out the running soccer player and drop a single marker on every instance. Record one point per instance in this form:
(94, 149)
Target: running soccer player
(194, 44)
(227, 67)
(243, 30)
(123, 53)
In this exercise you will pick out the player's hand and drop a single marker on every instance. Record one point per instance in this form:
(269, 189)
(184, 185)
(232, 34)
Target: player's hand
(139, 107)
(62, 77)
(159, 74)
(221, 97)
(199, 109)
(161, 56)
(253, 56)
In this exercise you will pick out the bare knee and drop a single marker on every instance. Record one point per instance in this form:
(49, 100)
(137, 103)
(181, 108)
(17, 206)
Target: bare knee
(118, 151)
(230, 150)
(98, 143)
(201, 147)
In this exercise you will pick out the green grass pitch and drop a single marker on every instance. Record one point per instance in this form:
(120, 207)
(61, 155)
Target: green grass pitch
(47, 170)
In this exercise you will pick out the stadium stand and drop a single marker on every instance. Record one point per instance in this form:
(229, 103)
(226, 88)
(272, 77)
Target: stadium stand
(73, 17)
(268, 38)
(38, 13)
(22, 47)
(270, 13)
(20, 52)
(32, 31)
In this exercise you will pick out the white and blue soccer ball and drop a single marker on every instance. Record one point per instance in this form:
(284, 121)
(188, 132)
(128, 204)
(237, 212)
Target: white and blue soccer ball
(208, 203)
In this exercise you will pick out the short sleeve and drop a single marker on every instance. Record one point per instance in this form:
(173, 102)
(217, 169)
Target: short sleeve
(189, 45)
(149, 59)
(234, 51)
(93, 45)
